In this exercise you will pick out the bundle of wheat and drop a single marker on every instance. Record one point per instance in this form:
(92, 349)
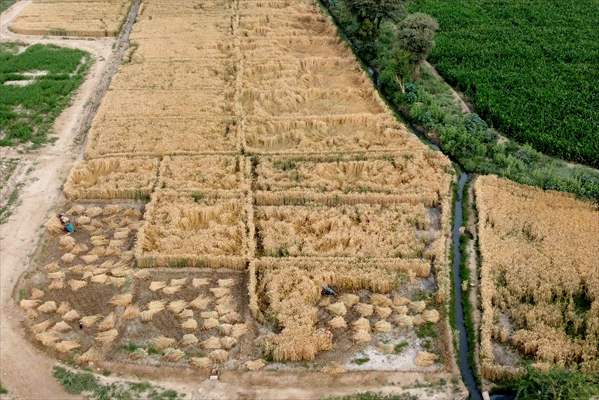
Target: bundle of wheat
(219, 356)
(107, 322)
(41, 326)
(66, 345)
(47, 307)
(131, 312)
(163, 342)
(188, 340)
(200, 362)
(338, 323)
(228, 342)
(61, 327)
(107, 337)
(172, 355)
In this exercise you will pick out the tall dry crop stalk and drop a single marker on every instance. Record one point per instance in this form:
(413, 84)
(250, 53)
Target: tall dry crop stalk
(539, 268)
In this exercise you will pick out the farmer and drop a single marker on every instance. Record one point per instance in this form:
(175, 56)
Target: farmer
(66, 224)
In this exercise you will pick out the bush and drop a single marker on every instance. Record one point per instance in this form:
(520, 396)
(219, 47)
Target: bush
(555, 384)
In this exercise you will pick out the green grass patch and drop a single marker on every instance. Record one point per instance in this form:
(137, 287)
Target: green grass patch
(360, 361)
(85, 383)
(555, 384)
(28, 112)
(4, 4)
(426, 330)
(530, 68)
(3, 390)
(400, 347)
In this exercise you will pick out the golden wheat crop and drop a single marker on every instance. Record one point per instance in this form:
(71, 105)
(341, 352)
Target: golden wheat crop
(390, 174)
(72, 18)
(362, 230)
(326, 135)
(540, 274)
(203, 173)
(186, 229)
(112, 178)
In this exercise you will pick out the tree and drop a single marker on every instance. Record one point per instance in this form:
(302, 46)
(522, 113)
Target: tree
(377, 10)
(416, 34)
(397, 69)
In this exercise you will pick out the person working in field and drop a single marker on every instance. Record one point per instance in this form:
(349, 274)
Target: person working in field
(66, 224)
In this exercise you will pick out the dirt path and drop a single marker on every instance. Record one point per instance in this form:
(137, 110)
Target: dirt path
(24, 370)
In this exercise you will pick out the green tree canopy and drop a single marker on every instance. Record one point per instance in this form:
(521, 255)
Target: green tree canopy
(416, 34)
(377, 10)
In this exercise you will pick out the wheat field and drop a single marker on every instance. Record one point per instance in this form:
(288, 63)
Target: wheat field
(540, 276)
(264, 155)
(95, 18)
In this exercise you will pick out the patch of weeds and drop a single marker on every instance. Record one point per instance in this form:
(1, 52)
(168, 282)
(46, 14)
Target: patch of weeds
(86, 383)
(153, 350)
(140, 387)
(400, 347)
(131, 347)
(427, 330)
(284, 165)
(3, 390)
(361, 360)
(196, 196)
(6, 210)
(22, 294)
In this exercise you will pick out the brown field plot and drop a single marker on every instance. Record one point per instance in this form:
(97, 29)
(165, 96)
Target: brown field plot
(540, 277)
(72, 18)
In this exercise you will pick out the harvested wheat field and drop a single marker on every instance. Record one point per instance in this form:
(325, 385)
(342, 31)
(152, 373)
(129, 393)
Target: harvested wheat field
(270, 166)
(540, 277)
(71, 301)
(95, 18)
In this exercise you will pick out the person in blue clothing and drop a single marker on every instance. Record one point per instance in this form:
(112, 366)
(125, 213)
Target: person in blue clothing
(66, 224)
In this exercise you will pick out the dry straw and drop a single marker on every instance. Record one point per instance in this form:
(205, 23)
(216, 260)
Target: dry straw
(192, 230)
(112, 178)
(539, 268)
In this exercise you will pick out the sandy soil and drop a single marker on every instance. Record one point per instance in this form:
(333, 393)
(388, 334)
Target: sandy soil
(25, 371)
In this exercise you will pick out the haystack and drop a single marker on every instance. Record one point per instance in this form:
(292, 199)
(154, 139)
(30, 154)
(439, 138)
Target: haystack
(212, 342)
(47, 307)
(338, 323)
(382, 326)
(337, 309)
(255, 365)
(201, 362)
(228, 342)
(364, 310)
(219, 356)
(383, 312)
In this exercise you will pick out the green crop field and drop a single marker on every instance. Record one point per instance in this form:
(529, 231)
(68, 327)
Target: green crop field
(35, 86)
(4, 4)
(530, 67)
